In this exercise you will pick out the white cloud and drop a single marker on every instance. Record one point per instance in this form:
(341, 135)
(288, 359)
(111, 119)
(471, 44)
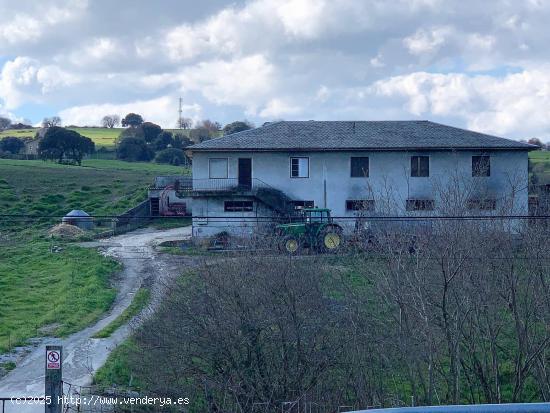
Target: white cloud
(277, 108)
(247, 81)
(24, 79)
(263, 24)
(29, 27)
(514, 105)
(160, 110)
(429, 41)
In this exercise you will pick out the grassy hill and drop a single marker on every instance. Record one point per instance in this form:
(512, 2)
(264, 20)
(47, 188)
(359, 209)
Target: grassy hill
(100, 136)
(540, 165)
(57, 293)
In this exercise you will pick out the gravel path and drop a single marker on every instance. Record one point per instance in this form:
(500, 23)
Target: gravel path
(83, 355)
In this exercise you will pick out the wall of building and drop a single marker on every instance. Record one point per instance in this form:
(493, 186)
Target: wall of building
(207, 221)
(389, 182)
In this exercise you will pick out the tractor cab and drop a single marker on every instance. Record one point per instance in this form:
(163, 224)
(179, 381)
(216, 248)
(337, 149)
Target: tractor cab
(316, 215)
(315, 229)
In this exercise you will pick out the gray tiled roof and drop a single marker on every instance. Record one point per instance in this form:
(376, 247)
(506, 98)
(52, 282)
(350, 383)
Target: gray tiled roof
(361, 135)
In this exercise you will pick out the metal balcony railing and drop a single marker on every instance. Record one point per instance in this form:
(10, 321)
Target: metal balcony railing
(226, 184)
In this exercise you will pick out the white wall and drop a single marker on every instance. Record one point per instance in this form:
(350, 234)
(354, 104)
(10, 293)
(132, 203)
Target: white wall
(389, 177)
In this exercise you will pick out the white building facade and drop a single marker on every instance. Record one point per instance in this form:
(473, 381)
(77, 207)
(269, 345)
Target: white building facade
(355, 169)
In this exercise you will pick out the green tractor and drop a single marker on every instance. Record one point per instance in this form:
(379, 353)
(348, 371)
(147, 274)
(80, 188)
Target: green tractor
(315, 230)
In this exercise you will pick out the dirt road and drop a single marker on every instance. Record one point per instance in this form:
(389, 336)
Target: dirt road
(83, 355)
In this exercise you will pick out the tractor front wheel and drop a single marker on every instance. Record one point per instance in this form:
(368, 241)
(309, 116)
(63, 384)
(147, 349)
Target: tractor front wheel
(330, 239)
(290, 245)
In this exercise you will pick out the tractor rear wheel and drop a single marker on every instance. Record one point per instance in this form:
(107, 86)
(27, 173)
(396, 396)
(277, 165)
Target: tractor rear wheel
(330, 239)
(290, 245)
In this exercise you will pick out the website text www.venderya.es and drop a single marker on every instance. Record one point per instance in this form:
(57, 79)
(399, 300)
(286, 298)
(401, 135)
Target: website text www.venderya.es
(94, 400)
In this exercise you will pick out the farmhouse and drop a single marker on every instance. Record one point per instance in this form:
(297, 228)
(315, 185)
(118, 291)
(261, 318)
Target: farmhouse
(363, 168)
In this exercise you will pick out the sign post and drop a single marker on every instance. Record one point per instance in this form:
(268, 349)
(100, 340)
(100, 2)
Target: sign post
(54, 384)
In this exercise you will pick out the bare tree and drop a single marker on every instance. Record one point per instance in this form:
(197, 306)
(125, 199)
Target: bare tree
(51, 121)
(184, 123)
(213, 127)
(110, 121)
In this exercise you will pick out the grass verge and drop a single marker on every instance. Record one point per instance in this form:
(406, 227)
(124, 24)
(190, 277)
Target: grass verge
(117, 369)
(51, 293)
(138, 303)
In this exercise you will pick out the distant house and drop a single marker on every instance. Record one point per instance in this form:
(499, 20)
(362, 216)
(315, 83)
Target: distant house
(353, 168)
(31, 144)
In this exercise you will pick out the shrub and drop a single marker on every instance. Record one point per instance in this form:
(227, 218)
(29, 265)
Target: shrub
(170, 156)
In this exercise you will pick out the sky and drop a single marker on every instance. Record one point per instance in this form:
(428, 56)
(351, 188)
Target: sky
(481, 65)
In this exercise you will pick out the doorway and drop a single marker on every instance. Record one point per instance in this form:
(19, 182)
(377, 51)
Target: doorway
(245, 174)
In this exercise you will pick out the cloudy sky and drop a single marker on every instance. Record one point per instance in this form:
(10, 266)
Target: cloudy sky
(483, 65)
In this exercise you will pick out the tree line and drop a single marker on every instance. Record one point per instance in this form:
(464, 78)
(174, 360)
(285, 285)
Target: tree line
(139, 141)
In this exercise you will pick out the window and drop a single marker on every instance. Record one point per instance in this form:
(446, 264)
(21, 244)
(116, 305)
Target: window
(420, 166)
(420, 205)
(217, 167)
(482, 204)
(360, 167)
(237, 206)
(316, 216)
(302, 204)
(481, 165)
(360, 205)
(299, 167)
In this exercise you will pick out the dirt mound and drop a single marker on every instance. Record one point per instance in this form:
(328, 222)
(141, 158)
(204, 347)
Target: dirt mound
(65, 231)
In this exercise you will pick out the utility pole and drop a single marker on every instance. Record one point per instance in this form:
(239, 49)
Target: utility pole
(180, 121)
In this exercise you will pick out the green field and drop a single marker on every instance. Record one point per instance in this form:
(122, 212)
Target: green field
(540, 166)
(105, 137)
(43, 292)
(51, 293)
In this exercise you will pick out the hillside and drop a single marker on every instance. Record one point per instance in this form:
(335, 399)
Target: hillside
(101, 136)
(50, 287)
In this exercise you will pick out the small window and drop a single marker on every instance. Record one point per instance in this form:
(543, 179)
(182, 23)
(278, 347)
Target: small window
(217, 168)
(482, 204)
(299, 167)
(360, 167)
(360, 205)
(237, 206)
(420, 205)
(481, 165)
(302, 204)
(420, 166)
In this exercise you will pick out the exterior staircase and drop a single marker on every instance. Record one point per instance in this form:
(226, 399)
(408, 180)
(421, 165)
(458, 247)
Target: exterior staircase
(275, 199)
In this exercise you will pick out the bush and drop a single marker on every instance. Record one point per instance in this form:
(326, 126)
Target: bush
(171, 156)
(133, 150)
(11, 144)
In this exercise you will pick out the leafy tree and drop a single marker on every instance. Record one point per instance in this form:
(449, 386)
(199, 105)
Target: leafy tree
(11, 144)
(5, 123)
(110, 121)
(172, 156)
(150, 131)
(134, 149)
(132, 119)
(60, 143)
(52, 121)
(237, 126)
(184, 123)
(181, 141)
(163, 141)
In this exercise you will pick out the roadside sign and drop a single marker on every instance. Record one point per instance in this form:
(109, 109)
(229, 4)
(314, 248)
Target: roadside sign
(53, 360)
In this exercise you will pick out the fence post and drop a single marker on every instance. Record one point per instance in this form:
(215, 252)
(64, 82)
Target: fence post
(54, 375)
